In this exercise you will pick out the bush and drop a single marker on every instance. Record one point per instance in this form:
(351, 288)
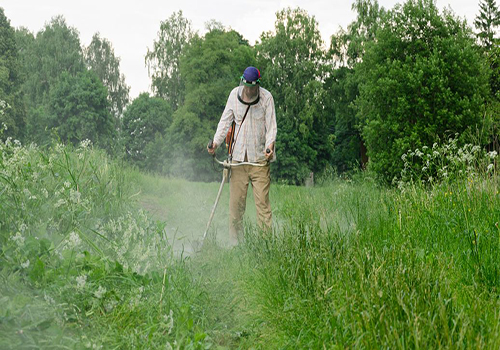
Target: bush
(421, 78)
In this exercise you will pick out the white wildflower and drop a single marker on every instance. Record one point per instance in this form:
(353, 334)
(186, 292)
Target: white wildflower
(49, 300)
(45, 193)
(67, 184)
(25, 264)
(23, 227)
(99, 293)
(74, 239)
(490, 167)
(169, 321)
(59, 203)
(492, 154)
(110, 305)
(81, 281)
(435, 154)
(74, 196)
(19, 239)
(85, 143)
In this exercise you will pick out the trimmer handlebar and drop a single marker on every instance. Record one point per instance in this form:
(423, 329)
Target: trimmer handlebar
(227, 164)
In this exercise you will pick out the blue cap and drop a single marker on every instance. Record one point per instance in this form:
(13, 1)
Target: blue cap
(251, 74)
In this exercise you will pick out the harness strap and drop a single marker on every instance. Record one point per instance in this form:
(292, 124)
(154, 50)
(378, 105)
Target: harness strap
(233, 138)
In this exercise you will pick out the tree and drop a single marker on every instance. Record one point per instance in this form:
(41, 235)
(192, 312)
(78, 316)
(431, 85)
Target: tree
(14, 117)
(100, 58)
(211, 67)
(348, 47)
(79, 110)
(163, 61)
(292, 62)
(343, 90)
(421, 79)
(55, 50)
(145, 122)
(486, 22)
(346, 50)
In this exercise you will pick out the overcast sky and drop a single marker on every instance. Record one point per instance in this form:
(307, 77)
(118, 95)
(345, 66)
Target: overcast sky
(132, 26)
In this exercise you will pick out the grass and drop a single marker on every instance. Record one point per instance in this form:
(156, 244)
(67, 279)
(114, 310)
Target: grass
(350, 264)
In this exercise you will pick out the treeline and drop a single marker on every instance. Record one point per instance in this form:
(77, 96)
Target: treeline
(393, 80)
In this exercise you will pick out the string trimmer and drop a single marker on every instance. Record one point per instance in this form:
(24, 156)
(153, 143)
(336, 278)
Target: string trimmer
(227, 166)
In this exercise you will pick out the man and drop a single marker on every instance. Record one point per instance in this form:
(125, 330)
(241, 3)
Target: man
(252, 110)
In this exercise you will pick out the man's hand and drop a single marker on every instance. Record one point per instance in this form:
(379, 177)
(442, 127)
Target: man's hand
(211, 150)
(269, 152)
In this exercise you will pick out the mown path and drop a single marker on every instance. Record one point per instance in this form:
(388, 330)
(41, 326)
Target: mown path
(185, 208)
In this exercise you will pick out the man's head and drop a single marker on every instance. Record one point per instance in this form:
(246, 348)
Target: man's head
(248, 92)
(251, 76)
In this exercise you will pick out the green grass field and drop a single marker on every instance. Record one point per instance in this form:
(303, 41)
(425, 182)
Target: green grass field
(95, 255)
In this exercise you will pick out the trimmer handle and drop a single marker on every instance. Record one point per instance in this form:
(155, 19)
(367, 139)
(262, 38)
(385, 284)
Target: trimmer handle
(210, 144)
(268, 151)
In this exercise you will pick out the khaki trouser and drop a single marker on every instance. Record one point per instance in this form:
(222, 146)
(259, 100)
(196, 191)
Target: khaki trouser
(241, 176)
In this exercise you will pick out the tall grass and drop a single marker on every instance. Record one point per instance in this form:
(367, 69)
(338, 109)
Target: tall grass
(354, 265)
(81, 266)
(349, 264)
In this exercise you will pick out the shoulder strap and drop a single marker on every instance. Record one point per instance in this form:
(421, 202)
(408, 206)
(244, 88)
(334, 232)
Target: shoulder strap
(233, 138)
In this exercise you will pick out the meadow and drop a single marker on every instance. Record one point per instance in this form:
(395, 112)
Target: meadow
(97, 255)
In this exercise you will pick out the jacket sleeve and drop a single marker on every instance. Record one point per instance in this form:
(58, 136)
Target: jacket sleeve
(271, 126)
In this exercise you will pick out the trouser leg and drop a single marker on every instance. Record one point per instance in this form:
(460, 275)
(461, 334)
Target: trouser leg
(261, 183)
(238, 186)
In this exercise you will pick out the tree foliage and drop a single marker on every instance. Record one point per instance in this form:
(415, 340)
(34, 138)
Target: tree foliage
(346, 50)
(292, 60)
(56, 49)
(163, 61)
(210, 67)
(79, 110)
(14, 116)
(145, 123)
(393, 80)
(422, 78)
(486, 22)
(53, 51)
(100, 58)
(348, 47)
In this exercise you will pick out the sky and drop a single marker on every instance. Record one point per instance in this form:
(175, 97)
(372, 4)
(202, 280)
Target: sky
(132, 26)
